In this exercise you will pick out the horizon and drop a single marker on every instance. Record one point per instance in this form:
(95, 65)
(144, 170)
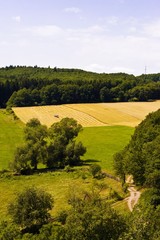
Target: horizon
(78, 69)
(102, 36)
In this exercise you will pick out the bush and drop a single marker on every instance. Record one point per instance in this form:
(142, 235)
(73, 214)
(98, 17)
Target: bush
(31, 208)
(95, 170)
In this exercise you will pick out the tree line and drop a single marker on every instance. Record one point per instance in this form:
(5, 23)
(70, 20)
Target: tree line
(141, 159)
(32, 86)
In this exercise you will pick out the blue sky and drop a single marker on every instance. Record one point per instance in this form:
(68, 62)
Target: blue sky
(95, 35)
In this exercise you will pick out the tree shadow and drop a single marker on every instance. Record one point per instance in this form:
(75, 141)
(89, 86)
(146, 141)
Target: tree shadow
(88, 162)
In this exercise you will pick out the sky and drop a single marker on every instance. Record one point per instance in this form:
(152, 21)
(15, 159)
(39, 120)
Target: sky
(94, 35)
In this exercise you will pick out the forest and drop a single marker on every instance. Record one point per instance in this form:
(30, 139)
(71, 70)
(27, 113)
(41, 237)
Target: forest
(35, 86)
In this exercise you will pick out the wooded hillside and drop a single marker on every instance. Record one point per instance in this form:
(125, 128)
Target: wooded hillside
(32, 86)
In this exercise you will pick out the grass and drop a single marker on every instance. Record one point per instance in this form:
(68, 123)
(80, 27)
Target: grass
(59, 184)
(103, 142)
(11, 135)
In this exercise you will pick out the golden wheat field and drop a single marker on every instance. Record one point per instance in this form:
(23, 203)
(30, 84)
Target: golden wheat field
(93, 114)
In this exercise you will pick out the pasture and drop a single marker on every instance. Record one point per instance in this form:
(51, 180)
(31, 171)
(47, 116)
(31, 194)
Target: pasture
(91, 115)
(103, 142)
(60, 184)
(11, 135)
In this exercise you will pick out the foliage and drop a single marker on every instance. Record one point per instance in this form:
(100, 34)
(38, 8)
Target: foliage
(141, 157)
(31, 208)
(9, 231)
(63, 149)
(144, 221)
(55, 147)
(95, 170)
(26, 86)
(91, 218)
(34, 150)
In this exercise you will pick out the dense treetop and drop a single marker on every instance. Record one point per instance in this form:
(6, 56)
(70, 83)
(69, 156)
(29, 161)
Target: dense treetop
(27, 86)
(55, 147)
(141, 157)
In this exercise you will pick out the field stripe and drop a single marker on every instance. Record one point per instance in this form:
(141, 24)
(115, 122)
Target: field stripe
(90, 115)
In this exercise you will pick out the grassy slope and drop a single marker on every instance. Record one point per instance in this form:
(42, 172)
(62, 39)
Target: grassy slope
(103, 142)
(11, 135)
(59, 184)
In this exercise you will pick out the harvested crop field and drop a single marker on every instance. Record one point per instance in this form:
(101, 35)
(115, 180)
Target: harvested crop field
(89, 115)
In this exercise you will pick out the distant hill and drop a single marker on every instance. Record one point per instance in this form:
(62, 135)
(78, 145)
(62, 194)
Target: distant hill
(34, 86)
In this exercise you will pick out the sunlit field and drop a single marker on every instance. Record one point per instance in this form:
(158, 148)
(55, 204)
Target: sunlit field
(90, 115)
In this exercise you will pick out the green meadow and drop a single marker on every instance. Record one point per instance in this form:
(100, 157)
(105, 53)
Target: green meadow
(11, 135)
(101, 143)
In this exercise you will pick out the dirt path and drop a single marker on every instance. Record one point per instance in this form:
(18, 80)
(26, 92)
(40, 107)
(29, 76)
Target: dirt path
(134, 194)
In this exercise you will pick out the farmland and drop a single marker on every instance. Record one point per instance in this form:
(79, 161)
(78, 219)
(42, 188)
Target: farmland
(91, 115)
(101, 135)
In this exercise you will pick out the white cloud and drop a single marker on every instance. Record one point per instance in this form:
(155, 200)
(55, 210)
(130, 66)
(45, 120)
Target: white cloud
(72, 10)
(122, 69)
(113, 20)
(17, 19)
(153, 29)
(133, 29)
(3, 43)
(95, 67)
(93, 48)
(45, 31)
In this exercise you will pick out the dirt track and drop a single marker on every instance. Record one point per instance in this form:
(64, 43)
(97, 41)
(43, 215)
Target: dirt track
(134, 194)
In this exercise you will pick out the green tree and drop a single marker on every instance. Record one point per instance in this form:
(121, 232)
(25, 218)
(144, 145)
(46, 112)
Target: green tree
(31, 208)
(141, 157)
(35, 149)
(9, 231)
(144, 221)
(73, 152)
(67, 128)
(95, 170)
(54, 147)
(151, 153)
(21, 162)
(91, 218)
(63, 149)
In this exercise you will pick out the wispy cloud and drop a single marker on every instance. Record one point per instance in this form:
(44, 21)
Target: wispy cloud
(113, 20)
(93, 47)
(72, 10)
(17, 19)
(45, 31)
(153, 29)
